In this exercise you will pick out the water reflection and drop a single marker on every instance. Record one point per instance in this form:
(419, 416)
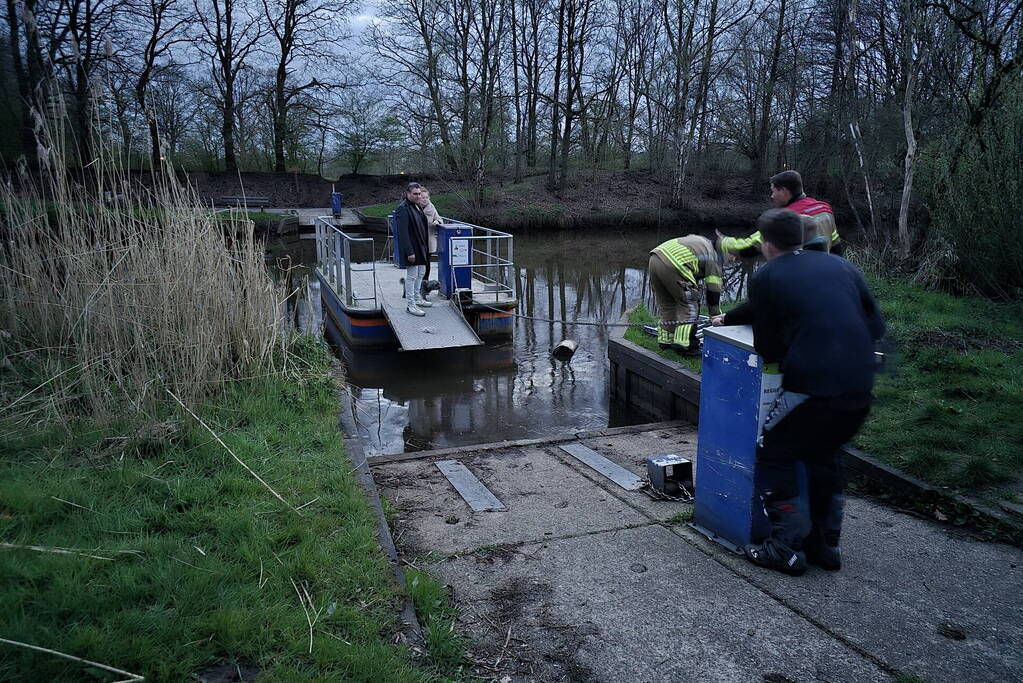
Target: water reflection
(437, 399)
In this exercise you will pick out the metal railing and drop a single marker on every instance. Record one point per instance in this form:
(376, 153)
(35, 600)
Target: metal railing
(334, 261)
(491, 262)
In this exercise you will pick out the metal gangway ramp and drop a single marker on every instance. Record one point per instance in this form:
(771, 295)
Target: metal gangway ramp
(443, 326)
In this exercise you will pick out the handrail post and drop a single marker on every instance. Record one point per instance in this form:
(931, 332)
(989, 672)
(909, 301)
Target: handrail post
(337, 260)
(348, 271)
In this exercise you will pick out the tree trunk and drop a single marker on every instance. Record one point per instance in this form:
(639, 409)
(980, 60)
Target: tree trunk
(227, 129)
(555, 99)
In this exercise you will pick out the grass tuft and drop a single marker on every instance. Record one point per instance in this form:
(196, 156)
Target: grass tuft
(446, 647)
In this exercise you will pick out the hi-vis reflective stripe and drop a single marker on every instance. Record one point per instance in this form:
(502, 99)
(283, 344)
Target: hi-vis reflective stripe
(681, 257)
(712, 280)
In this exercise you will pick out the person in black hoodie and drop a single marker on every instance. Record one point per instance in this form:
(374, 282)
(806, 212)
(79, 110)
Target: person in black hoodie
(823, 339)
(412, 248)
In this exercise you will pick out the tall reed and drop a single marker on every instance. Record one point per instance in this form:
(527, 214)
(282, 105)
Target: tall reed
(116, 291)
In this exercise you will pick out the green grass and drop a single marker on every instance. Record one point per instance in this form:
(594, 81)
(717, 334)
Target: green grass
(445, 646)
(203, 561)
(447, 204)
(637, 335)
(952, 411)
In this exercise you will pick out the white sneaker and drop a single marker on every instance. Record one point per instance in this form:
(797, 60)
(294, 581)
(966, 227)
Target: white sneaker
(415, 310)
(423, 303)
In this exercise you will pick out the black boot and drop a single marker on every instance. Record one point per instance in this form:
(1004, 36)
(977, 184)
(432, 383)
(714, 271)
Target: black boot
(781, 551)
(772, 554)
(822, 547)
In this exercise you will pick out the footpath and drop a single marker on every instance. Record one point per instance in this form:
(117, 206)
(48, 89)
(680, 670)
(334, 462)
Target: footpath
(580, 579)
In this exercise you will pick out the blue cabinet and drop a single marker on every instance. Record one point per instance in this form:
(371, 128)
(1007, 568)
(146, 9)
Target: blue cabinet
(735, 393)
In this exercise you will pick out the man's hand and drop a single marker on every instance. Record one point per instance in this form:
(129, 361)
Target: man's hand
(411, 258)
(718, 320)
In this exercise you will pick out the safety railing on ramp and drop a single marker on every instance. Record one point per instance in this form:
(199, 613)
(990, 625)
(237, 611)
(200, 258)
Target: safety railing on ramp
(334, 249)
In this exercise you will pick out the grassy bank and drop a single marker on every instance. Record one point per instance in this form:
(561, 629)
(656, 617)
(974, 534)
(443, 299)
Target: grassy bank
(949, 412)
(447, 204)
(177, 559)
(637, 335)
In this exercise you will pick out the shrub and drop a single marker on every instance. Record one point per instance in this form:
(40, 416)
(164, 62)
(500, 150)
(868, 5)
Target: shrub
(977, 200)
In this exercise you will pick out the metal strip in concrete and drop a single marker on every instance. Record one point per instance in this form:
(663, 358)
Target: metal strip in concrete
(474, 449)
(469, 487)
(616, 473)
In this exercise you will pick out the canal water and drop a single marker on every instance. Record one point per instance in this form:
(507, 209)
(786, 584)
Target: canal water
(516, 390)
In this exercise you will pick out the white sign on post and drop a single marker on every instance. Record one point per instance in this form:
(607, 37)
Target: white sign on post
(459, 252)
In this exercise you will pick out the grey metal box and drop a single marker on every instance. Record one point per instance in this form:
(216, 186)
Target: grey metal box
(667, 473)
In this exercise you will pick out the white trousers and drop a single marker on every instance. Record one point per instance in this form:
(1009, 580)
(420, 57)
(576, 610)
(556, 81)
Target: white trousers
(413, 283)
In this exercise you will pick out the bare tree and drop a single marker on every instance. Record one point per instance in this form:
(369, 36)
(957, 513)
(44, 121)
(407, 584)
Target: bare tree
(305, 36)
(228, 35)
(160, 23)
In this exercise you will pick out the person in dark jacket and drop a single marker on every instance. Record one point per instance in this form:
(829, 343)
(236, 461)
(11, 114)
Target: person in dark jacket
(412, 249)
(823, 339)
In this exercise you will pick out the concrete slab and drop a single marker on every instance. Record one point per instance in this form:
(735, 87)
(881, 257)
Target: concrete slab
(634, 604)
(593, 588)
(921, 597)
(631, 451)
(544, 498)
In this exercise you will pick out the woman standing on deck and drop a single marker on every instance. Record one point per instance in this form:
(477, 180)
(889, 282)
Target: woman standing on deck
(412, 250)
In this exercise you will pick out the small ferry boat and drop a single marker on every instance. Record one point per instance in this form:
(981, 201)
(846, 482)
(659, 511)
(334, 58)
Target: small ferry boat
(363, 293)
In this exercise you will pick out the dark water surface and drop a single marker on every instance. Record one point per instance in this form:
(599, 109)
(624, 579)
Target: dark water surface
(416, 401)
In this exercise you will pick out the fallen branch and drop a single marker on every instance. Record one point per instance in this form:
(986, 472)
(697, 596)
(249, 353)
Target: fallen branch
(228, 449)
(132, 677)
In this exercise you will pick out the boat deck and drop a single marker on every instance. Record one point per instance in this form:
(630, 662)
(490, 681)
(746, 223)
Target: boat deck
(388, 284)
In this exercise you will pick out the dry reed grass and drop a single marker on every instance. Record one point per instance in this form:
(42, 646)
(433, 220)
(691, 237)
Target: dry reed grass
(116, 292)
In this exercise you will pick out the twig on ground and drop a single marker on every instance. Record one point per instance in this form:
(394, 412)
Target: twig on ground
(228, 449)
(132, 677)
(73, 504)
(309, 503)
(311, 620)
(44, 549)
(504, 649)
(328, 633)
(202, 569)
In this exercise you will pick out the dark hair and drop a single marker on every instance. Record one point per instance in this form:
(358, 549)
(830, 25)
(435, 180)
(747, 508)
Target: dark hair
(781, 227)
(409, 188)
(789, 180)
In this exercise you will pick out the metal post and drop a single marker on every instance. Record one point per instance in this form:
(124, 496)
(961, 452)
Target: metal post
(337, 261)
(348, 272)
(319, 249)
(512, 281)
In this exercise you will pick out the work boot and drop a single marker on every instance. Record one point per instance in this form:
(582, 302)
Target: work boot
(772, 554)
(821, 545)
(415, 310)
(423, 303)
(822, 549)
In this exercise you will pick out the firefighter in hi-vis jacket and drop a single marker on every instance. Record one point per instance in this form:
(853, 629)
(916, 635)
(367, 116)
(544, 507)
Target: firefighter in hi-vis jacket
(676, 269)
(818, 219)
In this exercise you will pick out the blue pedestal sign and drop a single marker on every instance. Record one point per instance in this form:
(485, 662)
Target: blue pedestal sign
(453, 252)
(735, 394)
